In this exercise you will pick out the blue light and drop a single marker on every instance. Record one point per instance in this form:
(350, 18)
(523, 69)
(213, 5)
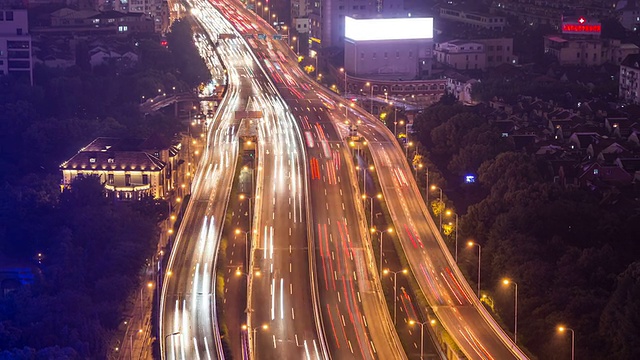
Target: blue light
(470, 179)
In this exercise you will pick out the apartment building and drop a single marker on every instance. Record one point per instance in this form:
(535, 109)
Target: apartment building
(15, 44)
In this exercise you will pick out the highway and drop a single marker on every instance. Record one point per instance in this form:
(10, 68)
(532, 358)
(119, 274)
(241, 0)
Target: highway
(281, 321)
(348, 286)
(452, 300)
(188, 326)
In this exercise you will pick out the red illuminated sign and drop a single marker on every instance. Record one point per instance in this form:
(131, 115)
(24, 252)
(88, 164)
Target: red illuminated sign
(580, 28)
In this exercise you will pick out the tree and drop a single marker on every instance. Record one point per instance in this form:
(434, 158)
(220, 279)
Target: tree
(620, 322)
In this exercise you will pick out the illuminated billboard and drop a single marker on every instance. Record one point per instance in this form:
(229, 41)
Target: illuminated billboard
(580, 26)
(388, 29)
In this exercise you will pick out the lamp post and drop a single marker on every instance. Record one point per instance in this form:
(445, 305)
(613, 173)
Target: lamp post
(573, 339)
(247, 274)
(374, 230)
(433, 187)
(395, 293)
(449, 213)
(426, 187)
(314, 54)
(249, 198)
(422, 324)
(415, 168)
(406, 149)
(246, 241)
(470, 244)
(344, 73)
(168, 336)
(297, 45)
(370, 85)
(364, 197)
(515, 308)
(254, 331)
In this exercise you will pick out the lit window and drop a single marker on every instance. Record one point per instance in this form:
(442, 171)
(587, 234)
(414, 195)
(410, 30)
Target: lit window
(595, 171)
(92, 160)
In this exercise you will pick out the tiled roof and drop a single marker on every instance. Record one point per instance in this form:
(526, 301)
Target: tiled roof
(113, 161)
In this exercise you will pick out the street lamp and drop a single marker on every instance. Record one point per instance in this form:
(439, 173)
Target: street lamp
(370, 85)
(168, 336)
(314, 54)
(562, 329)
(449, 213)
(395, 293)
(406, 149)
(426, 186)
(422, 324)
(515, 308)
(415, 169)
(246, 241)
(395, 126)
(294, 38)
(254, 331)
(249, 198)
(374, 230)
(471, 244)
(364, 197)
(344, 72)
(433, 187)
(247, 274)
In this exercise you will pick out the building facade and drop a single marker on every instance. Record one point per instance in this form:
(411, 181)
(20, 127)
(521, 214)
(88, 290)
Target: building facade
(326, 17)
(129, 169)
(461, 55)
(372, 52)
(473, 19)
(15, 44)
(629, 82)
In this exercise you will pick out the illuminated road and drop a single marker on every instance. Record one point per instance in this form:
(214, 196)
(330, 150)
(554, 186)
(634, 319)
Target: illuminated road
(452, 300)
(344, 267)
(188, 325)
(281, 297)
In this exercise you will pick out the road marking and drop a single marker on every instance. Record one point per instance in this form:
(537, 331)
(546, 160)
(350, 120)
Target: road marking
(365, 321)
(343, 322)
(350, 347)
(293, 314)
(274, 341)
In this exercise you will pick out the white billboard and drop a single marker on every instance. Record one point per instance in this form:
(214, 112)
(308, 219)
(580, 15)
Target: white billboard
(388, 29)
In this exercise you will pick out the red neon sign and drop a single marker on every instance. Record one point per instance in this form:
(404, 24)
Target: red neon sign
(580, 28)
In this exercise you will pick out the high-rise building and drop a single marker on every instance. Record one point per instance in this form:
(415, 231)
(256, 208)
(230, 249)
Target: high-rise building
(15, 44)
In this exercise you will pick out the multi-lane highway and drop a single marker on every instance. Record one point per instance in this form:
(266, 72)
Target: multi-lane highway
(351, 303)
(281, 321)
(452, 300)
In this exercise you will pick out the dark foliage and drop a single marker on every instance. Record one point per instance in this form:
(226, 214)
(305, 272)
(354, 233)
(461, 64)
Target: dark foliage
(93, 248)
(564, 247)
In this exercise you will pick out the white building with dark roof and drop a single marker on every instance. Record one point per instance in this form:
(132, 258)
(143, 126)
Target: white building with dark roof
(129, 168)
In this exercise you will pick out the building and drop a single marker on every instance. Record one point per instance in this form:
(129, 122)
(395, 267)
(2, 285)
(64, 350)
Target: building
(473, 18)
(67, 21)
(461, 55)
(15, 44)
(398, 48)
(629, 82)
(129, 168)
(629, 15)
(327, 18)
(580, 44)
(498, 51)
(585, 52)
